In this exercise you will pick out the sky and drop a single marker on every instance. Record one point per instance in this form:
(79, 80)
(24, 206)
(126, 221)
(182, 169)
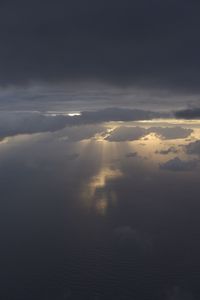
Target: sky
(99, 53)
(99, 149)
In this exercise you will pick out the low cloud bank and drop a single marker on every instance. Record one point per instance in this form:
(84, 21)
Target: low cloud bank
(131, 133)
(192, 113)
(13, 123)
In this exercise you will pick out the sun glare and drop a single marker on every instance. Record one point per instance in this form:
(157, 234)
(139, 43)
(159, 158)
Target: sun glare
(74, 114)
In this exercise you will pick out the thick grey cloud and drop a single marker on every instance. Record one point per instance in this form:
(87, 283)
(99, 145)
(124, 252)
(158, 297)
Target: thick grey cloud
(13, 123)
(170, 133)
(128, 133)
(178, 165)
(124, 133)
(120, 114)
(137, 42)
(79, 133)
(81, 96)
(192, 113)
(193, 148)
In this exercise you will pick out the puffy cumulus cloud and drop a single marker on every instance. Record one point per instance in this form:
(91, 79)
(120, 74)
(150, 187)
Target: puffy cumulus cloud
(137, 42)
(178, 165)
(131, 133)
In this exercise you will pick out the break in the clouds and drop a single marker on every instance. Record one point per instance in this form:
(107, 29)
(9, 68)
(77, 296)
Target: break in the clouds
(141, 42)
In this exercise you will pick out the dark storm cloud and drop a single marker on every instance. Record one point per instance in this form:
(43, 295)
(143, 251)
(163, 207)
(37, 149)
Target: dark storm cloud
(137, 42)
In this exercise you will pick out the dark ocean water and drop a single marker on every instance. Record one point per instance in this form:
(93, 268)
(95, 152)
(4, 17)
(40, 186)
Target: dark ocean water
(101, 212)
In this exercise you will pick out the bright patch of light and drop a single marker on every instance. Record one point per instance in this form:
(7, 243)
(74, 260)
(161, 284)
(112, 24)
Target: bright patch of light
(73, 114)
(95, 192)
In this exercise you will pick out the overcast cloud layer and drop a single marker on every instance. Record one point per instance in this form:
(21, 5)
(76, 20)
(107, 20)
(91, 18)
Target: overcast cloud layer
(140, 43)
